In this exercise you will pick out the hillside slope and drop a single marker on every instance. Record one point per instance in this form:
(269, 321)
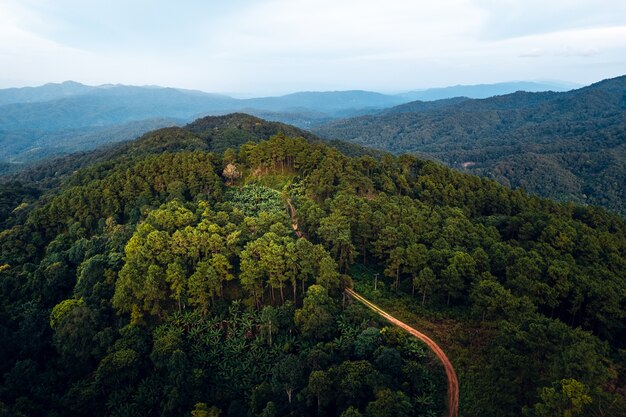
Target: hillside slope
(161, 278)
(211, 133)
(569, 146)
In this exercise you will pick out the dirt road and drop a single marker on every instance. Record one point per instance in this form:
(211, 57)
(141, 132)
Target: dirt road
(453, 383)
(294, 219)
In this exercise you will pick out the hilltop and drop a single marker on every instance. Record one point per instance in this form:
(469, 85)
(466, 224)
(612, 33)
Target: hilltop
(210, 133)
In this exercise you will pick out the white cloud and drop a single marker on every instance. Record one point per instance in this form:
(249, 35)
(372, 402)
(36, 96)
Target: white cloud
(277, 46)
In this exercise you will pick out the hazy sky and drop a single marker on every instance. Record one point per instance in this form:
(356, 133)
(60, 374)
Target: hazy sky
(278, 46)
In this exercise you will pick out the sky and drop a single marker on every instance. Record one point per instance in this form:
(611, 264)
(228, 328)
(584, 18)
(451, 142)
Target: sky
(266, 47)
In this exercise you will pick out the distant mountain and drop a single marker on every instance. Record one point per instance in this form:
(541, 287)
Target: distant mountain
(45, 92)
(53, 119)
(108, 106)
(22, 147)
(327, 101)
(569, 145)
(485, 90)
(306, 119)
(71, 105)
(424, 106)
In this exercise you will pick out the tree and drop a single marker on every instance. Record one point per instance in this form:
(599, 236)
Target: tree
(306, 262)
(567, 398)
(291, 266)
(452, 282)
(288, 375)
(203, 410)
(315, 318)
(320, 389)
(269, 410)
(251, 275)
(394, 262)
(388, 361)
(356, 380)
(273, 262)
(389, 404)
(154, 292)
(176, 277)
(490, 300)
(269, 322)
(416, 258)
(222, 268)
(327, 275)
(351, 412)
(74, 326)
(202, 287)
(425, 281)
(335, 231)
(366, 342)
(231, 173)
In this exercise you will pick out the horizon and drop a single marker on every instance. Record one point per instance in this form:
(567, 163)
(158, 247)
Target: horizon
(562, 85)
(275, 47)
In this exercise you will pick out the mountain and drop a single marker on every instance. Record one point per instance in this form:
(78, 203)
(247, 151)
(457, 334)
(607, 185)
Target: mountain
(107, 107)
(23, 147)
(211, 133)
(36, 122)
(328, 101)
(485, 90)
(569, 146)
(45, 92)
(55, 107)
(163, 277)
(60, 118)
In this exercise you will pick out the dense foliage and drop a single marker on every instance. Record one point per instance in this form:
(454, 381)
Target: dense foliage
(567, 146)
(145, 285)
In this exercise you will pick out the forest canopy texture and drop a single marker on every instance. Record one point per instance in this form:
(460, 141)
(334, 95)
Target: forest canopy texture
(568, 146)
(165, 279)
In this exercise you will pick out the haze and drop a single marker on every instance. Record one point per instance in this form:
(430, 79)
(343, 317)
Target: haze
(280, 46)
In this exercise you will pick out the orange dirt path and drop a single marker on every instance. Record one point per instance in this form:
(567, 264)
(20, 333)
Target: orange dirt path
(453, 382)
(294, 219)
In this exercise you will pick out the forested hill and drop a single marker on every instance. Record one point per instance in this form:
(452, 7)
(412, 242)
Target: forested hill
(569, 146)
(166, 280)
(211, 133)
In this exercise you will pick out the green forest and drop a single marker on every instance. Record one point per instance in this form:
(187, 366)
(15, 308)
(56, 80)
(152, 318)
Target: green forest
(567, 146)
(163, 277)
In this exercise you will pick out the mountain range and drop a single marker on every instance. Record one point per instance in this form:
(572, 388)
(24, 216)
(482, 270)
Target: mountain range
(563, 145)
(569, 146)
(59, 118)
(486, 90)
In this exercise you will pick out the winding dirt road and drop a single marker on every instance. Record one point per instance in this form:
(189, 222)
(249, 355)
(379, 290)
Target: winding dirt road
(294, 219)
(453, 383)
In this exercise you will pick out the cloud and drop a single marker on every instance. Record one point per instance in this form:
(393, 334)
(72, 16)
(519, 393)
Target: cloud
(277, 46)
(533, 53)
(507, 19)
(569, 43)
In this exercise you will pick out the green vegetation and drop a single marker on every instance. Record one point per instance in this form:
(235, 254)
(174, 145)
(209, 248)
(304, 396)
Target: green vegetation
(145, 285)
(566, 146)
